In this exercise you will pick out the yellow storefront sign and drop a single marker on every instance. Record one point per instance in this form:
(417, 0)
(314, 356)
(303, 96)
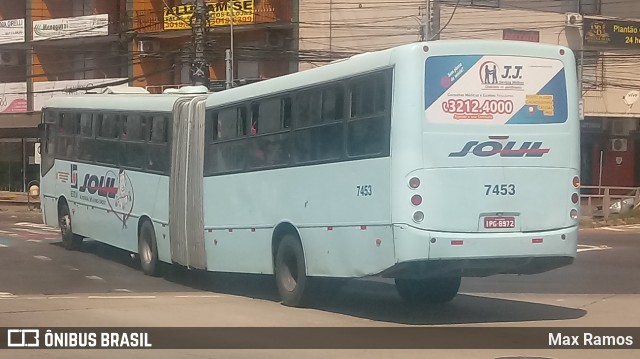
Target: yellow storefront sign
(219, 14)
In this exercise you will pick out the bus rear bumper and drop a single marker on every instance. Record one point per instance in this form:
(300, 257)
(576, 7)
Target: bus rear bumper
(422, 253)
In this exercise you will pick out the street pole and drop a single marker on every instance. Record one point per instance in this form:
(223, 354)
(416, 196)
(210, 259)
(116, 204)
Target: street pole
(426, 32)
(199, 66)
(28, 34)
(229, 56)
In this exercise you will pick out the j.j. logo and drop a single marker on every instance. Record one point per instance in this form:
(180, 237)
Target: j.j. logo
(494, 147)
(490, 71)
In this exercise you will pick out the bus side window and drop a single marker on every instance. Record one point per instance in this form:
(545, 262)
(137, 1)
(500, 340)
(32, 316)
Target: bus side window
(308, 108)
(227, 124)
(145, 128)
(286, 112)
(363, 97)
(159, 129)
(333, 104)
(158, 150)
(267, 116)
(255, 116)
(242, 121)
(85, 140)
(86, 125)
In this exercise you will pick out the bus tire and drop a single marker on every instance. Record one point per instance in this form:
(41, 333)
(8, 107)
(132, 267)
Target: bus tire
(148, 249)
(432, 290)
(70, 241)
(291, 273)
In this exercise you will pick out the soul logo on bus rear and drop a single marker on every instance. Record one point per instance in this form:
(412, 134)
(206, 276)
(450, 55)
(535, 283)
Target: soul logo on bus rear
(509, 149)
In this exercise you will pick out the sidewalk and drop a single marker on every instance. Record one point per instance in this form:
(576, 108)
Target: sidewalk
(18, 198)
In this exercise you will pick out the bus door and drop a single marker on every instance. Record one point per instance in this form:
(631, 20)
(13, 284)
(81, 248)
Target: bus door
(186, 223)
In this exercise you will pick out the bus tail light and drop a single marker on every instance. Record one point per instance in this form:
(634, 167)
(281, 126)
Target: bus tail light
(573, 214)
(416, 200)
(414, 182)
(418, 216)
(576, 181)
(575, 198)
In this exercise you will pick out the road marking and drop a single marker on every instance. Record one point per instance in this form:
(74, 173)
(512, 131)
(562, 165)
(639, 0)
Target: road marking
(586, 248)
(198, 296)
(122, 290)
(34, 240)
(63, 297)
(122, 297)
(3, 245)
(4, 232)
(43, 258)
(70, 267)
(29, 231)
(612, 229)
(40, 226)
(6, 295)
(93, 277)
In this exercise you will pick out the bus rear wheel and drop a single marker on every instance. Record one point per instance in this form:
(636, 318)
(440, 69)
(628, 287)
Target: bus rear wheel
(291, 273)
(148, 249)
(70, 240)
(432, 290)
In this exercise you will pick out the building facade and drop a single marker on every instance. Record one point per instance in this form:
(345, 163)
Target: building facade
(604, 34)
(264, 41)
(47, 48)
(54, 47)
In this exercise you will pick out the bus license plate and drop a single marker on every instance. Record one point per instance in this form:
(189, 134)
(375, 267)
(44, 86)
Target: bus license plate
(499, 222)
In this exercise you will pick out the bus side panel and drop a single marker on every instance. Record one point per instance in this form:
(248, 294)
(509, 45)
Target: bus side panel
(354, 251)
(49, 199)
(157, 209)
(239, 250)
(106, 203)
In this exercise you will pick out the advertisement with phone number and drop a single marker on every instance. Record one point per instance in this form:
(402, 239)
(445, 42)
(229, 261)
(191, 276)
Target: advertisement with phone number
(495, 90)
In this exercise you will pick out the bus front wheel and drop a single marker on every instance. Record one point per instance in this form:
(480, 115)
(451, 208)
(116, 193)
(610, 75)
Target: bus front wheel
(432, 290)
(290, 272)
(148, 249)
(70, 240)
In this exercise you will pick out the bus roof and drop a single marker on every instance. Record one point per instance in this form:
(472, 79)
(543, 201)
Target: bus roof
(124, 102)
(356, 64)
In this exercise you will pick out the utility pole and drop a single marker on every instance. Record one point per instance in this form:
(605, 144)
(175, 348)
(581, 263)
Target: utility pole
(28, 36)
(229, 52)
(199, 66)
(426, 30)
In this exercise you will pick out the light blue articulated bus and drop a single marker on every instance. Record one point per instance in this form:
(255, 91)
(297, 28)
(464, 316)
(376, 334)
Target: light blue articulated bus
(424, 163)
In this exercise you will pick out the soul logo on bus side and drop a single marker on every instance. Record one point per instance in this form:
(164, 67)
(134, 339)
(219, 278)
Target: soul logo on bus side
(116, 191)
(493, 147)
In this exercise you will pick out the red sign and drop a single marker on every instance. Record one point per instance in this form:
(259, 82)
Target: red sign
(520, 35)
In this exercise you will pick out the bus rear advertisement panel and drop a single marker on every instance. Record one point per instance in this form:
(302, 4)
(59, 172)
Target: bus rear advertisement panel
(495, 90)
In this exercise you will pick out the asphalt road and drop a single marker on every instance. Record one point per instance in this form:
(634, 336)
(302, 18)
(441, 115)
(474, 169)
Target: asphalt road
(32, 261)
(41, 283)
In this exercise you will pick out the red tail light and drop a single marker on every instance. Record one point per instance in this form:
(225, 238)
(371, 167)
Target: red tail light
(416, 200)
(576, 181)
(414, 182)
(575, 198)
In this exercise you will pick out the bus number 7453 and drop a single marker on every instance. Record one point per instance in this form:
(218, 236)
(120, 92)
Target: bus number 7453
(500, 189)
(364, 190)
